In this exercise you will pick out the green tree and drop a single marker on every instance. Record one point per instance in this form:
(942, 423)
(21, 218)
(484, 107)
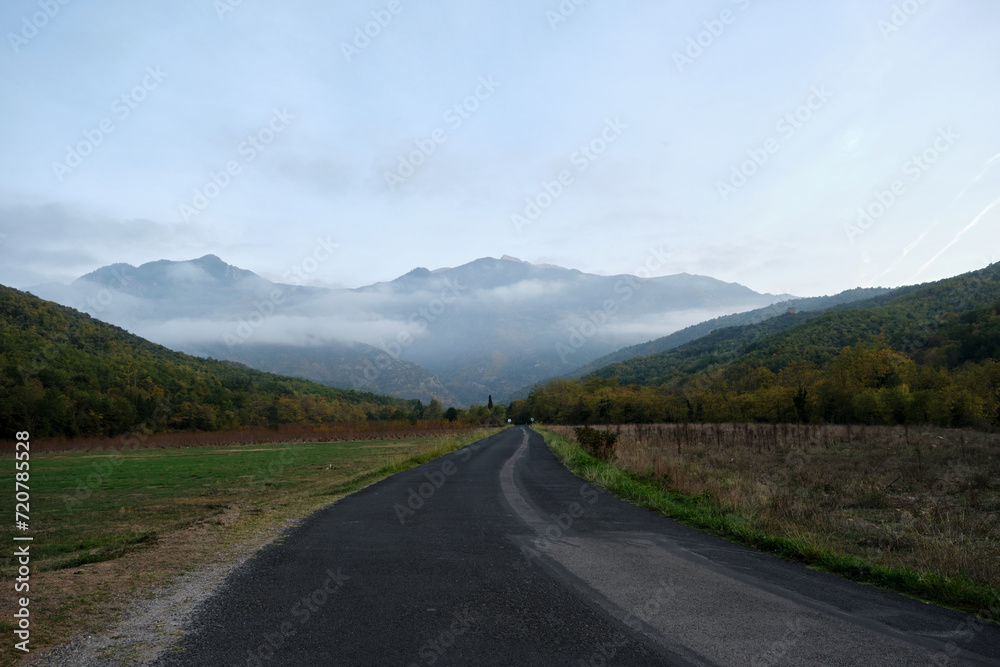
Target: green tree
(434, 410)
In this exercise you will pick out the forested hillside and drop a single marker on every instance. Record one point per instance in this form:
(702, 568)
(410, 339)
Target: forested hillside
(925, 354)
(907, 317)
(63, 373)
(815, 305)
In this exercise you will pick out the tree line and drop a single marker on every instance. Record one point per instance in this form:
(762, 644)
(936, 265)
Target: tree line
(65, 374)
(866, 383)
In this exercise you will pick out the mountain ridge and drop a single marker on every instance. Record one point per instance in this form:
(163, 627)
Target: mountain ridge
(486, 327)
(807, 304)
(918, 354)
(906, 316)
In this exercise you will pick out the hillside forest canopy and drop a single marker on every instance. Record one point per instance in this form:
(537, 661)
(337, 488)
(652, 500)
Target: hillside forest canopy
(65, 374)
(952, 381)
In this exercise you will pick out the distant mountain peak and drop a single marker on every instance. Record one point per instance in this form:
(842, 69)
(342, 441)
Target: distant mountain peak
(509, 258)
(219, 269)
(419, 272)
(164, 271)
(209, 260)
(106, 275)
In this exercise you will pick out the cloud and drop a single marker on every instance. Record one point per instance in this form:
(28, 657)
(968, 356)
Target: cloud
(295, 330)
(524, 290)
(654, 326)
(54, 243)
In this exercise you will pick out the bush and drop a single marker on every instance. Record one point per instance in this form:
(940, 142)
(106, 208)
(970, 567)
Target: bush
(597, 443)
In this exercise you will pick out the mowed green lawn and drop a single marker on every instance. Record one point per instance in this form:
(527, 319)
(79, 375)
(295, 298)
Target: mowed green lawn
(94, 506)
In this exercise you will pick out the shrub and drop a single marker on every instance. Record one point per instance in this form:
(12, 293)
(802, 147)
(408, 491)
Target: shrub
(597, 443)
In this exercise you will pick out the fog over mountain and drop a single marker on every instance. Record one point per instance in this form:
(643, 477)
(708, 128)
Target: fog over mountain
(457, 334)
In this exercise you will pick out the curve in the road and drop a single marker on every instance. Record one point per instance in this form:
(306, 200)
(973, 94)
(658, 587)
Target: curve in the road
(497, 555)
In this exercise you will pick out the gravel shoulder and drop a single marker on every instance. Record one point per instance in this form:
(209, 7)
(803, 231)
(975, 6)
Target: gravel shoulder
(151, 625)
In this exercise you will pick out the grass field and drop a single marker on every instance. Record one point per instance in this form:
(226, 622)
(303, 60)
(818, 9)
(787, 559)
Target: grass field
(254, 435)
(109, 524)
(914, 510)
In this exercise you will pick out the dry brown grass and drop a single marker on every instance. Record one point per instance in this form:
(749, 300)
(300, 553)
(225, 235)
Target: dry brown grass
(923, 498)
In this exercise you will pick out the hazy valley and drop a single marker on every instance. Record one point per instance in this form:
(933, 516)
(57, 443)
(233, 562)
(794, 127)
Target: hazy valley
(489, 327)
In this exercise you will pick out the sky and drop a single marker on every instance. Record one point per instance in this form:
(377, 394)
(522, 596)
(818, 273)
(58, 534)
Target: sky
(800, 148)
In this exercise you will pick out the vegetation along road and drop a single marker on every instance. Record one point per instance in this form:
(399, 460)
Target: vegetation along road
(495, 554)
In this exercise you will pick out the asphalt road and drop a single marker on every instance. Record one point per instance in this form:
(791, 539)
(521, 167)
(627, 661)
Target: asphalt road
(497, 555)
